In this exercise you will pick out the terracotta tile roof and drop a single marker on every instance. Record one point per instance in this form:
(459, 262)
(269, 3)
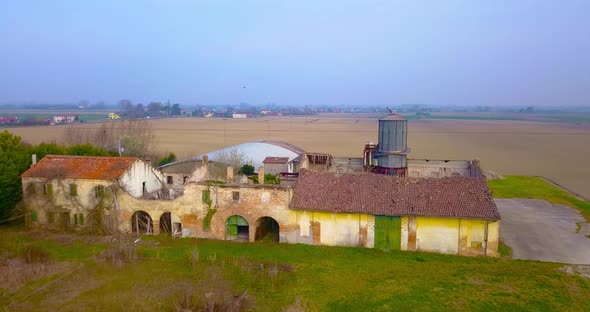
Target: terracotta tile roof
(80, 167)
(460, 197)
(275, 160)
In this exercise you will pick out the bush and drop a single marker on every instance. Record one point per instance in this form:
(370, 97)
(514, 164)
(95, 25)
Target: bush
(247, 169)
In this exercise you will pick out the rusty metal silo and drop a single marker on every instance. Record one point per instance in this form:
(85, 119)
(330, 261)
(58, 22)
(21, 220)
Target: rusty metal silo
(392, 150)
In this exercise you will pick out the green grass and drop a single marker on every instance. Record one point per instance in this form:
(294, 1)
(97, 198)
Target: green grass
(325, 278)
(537, 188)
(504, 250)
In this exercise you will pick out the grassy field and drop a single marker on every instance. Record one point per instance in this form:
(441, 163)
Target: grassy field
(554, 150)
(537, 188)
(162, 273)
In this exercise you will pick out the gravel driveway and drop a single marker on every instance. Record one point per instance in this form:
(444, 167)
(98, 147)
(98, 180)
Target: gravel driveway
(538, 230)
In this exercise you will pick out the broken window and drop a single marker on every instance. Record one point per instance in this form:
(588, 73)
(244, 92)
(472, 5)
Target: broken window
(184, 179)
(169, 179)
(144, 188)
(236, 196)
(73, 190)
(48, 189)
(99, 191)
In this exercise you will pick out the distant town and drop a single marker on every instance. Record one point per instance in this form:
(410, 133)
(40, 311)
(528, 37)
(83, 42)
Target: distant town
(84, 111)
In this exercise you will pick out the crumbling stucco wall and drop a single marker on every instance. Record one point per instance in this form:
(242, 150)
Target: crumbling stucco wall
(450, 235)
(251, 202)
(140, 174)
(422, 168)
(333, 229)
(42, 200)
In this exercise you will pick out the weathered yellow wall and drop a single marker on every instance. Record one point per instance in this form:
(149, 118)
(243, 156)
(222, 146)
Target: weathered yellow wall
(456, 236)
(335, 229)
(437, 235)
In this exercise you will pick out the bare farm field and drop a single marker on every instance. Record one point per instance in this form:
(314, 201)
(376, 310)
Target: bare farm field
(558, 151)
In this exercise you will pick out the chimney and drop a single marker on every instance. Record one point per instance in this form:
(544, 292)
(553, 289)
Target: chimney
(34, 160)
(205, 159)
(230, 173)
(261, 175)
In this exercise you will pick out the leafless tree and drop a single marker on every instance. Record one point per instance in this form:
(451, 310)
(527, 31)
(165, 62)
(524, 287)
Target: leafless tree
(232, 157)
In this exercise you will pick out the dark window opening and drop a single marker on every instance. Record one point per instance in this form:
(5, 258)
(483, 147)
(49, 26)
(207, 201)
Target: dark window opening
(73, 190)
(169, 180)
(143, 187)
(99, 191)
(235, 196)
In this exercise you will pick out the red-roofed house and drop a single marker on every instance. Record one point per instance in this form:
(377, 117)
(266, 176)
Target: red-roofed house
(66, 189)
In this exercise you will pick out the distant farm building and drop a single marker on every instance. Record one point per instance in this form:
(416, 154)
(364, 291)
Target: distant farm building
(276, 165)
(114, 116)
(239, 115)
(64, 119)
(8, 120)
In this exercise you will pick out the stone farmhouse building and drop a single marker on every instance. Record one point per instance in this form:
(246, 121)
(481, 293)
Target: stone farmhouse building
(417, 205)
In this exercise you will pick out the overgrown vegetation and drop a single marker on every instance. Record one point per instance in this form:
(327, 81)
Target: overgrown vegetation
(15, 158)
(504, 250)
(536, 188)
(173, 274)
(166, 160)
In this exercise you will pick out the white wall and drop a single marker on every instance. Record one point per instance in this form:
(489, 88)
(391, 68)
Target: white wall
(139, 172)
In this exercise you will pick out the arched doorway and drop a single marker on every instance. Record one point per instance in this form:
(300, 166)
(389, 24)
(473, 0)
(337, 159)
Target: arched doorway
(267, 229)
(237, 229)
(142, 222)
(165, 223)
(170, 224)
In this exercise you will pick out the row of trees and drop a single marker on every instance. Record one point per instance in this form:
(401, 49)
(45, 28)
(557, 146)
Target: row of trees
(15, 159)
(153, 109)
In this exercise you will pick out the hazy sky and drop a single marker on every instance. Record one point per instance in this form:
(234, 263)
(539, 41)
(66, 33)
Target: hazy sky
(296, 52)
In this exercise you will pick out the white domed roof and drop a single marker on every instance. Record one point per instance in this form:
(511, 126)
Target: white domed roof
(257, 151)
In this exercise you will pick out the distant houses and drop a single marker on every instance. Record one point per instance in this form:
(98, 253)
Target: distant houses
(64, 119)
(8, 120)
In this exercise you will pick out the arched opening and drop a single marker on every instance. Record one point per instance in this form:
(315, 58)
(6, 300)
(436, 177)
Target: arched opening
(236, 228)
(267, 229)
(170, 224)
(165, 223)
(142, 222)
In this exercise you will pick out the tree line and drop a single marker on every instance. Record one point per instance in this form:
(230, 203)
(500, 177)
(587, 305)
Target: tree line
(153, 109)
(16, 158)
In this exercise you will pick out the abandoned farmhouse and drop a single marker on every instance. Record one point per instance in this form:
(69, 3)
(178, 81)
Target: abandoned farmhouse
(380, 200)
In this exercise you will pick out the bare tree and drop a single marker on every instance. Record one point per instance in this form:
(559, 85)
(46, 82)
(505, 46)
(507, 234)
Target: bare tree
(232, 157)
(134, 137)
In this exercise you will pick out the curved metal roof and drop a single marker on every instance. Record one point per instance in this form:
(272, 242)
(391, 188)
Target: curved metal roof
(257, 151)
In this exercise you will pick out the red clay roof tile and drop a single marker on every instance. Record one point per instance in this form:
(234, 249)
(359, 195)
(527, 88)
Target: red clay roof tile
(80, 167)
(458, 197)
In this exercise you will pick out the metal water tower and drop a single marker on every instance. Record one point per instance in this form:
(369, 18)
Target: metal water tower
(392, 150)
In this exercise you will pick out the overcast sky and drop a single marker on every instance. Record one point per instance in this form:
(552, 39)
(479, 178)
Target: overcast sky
(296, 52)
